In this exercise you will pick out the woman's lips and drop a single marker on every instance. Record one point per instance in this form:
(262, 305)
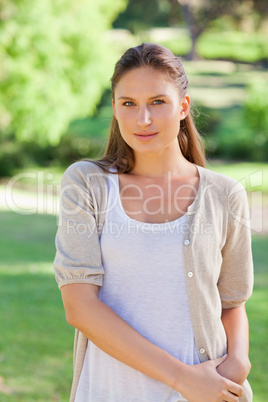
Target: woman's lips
(145, 136)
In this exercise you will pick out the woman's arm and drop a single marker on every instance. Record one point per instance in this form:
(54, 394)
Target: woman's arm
(113, 335)
(237, 365)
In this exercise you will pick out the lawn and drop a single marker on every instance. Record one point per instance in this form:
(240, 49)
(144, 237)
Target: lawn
(36, 342)
(213, 44)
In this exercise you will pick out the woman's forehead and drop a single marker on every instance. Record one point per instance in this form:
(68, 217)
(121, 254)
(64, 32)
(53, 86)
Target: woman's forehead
(146, 71)
(144, 79)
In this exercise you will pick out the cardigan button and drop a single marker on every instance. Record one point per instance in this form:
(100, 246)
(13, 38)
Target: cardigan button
(190, 274)
(202, 350)
(186, 242)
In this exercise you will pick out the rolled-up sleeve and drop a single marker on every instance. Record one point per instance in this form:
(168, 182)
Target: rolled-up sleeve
(236, 277)
(78, 254)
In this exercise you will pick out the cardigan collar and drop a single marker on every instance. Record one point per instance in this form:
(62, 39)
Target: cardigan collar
(203, 186)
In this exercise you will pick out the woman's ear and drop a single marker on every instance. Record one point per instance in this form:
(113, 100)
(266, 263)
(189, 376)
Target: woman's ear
(185, 107)
(113, 104)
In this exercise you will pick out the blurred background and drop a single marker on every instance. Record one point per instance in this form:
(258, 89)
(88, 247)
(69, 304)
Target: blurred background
(56, 60)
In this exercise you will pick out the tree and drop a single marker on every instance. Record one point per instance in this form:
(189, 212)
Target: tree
(143, 15)
(199, 13)
(55, 61)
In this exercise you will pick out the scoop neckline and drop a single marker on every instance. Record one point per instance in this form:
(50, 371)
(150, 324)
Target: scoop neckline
(179, 220)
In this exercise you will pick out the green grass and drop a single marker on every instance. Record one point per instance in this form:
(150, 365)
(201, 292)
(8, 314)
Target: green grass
(219, 44)
(36, 342)
(257, 308)
(180, 45)
(244, 46)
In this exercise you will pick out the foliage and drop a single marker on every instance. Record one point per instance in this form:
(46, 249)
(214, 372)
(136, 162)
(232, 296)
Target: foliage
(255, 114)
(142, 15)
(56, 60)
(83, 138)
(231, 138)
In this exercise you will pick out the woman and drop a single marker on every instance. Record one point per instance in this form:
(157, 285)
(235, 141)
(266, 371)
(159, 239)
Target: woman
(154, 252)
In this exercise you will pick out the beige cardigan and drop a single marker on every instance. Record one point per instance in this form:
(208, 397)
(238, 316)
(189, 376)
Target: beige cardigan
(217, 252)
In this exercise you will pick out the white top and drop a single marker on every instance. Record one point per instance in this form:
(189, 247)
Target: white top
(144, 283)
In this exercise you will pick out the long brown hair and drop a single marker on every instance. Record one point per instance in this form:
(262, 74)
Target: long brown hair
(118, 153)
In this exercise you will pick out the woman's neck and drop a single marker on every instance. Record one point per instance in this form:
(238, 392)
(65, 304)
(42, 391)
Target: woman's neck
(155, 166)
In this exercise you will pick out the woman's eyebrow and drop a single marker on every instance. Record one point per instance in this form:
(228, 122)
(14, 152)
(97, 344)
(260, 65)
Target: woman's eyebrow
(125, 97)
(152, 97)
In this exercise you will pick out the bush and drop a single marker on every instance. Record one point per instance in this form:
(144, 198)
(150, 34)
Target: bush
(56, 60)
(256, 106)
(256, 116)
(15, 155)
(232, 138)
(11, 157)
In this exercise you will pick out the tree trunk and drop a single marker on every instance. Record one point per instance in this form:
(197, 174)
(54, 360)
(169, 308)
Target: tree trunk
(192, 28)
(193, 55)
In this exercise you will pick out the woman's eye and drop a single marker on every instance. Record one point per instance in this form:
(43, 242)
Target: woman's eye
(158, 101)
(128, 103)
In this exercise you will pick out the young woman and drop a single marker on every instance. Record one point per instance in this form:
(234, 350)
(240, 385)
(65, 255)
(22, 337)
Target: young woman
(154, 252)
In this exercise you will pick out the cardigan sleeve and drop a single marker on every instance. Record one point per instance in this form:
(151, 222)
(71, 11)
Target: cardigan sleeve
(78, 255)
(236, 276)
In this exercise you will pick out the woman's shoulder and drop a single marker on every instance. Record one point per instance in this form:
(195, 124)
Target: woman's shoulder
(219, 182)
(84, 166)
(85, 172)
(225, 193)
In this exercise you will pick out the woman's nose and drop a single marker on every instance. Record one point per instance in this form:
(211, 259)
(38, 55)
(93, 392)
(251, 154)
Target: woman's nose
(144, 117)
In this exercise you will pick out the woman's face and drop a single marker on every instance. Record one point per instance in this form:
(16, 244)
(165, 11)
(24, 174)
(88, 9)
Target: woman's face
(148, 109)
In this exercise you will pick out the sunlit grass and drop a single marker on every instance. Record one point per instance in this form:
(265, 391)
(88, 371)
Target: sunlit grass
(244, 46)
(212, 44)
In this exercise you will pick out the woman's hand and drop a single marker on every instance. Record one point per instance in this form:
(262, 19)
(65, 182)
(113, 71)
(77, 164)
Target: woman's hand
(235, 369)
(202, 383)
